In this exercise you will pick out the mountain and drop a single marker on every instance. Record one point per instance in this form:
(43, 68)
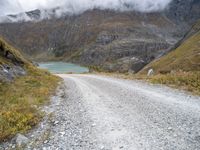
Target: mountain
(34, 16)
(185, 57)
(104, 39)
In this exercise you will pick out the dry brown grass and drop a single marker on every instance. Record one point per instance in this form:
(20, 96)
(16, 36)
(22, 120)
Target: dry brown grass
(19, 101)
(188, 81)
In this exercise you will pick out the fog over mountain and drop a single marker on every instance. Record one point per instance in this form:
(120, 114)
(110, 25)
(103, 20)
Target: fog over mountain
(78, 6)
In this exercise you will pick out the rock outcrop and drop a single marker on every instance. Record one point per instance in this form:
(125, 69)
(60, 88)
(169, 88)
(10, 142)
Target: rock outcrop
(21, 140)
(11, 63)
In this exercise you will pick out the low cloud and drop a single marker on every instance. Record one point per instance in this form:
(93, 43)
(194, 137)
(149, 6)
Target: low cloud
(76, 6)
(138, 5)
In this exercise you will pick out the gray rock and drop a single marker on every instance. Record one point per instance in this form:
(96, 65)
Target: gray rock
(56, 122)
(46, 141)
(150, 72)
(93, 125)
(62, 133)
(13, 146)
(169, 128)
(21, 140)
(5, 70)
(8, 73)
(102, 147)
(121, 147)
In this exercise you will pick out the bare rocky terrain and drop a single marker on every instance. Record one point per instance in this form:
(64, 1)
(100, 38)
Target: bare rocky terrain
(98, 112)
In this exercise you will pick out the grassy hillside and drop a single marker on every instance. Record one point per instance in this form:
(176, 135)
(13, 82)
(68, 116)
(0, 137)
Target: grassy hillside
(6, 49)
(181, 67)
(20, 98)
(186, 57)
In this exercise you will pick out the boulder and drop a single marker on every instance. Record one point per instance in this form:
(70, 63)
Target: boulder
(150, 72)
(21, 140)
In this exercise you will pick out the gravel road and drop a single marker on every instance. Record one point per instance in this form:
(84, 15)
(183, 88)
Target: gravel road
(122, 114)
(104, 113)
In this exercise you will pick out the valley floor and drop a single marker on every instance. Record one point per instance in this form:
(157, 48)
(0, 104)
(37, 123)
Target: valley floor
(99, 112)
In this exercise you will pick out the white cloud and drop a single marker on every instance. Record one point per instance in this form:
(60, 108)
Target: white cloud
(76, 6)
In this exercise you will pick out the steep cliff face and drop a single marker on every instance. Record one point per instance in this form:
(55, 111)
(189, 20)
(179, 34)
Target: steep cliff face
(113, 41)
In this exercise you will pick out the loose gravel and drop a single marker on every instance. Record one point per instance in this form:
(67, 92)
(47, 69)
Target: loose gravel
(104, 113)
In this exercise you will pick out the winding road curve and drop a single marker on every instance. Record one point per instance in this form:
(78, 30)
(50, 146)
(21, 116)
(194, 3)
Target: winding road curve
(122, 114)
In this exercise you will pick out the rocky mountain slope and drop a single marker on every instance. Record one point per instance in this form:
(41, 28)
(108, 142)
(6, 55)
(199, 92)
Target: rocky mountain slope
(185, 57)
(105, 39)
(11, 62)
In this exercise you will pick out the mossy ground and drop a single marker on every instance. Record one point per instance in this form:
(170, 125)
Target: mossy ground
(20, 99)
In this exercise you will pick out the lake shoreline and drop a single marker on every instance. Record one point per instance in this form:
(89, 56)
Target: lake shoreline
(60, 67)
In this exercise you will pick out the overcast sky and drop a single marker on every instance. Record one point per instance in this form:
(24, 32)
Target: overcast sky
(16, 6)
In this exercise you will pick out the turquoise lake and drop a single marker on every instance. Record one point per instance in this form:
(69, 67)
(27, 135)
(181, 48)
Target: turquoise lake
(62, 67)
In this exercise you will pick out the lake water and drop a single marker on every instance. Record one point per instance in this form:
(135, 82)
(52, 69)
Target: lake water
(62, 67)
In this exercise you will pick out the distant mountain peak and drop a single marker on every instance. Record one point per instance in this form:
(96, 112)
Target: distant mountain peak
(34, 15)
